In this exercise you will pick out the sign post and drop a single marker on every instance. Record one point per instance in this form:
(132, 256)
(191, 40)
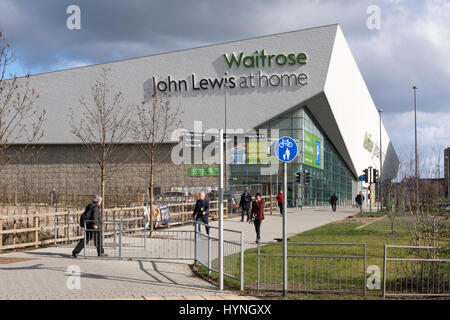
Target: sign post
(221, 210)
(286, 150)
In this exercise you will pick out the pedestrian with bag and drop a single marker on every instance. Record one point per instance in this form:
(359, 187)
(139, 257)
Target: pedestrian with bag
(257, 215)
(244, 204)
(201, 211)
(91, 219)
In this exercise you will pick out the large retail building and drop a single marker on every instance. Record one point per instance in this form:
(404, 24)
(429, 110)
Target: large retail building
(304, 83)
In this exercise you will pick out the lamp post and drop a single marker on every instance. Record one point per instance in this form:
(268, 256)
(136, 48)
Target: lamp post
(448, 176)
(415, 149)
(225, 128)
(381, 166)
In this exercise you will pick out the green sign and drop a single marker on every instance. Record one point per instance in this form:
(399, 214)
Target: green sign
(312, 150)
(203, 172)
(257, 153)
(368, 144)
(261, 60)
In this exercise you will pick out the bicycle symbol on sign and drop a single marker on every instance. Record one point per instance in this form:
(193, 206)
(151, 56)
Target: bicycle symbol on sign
(286, 143)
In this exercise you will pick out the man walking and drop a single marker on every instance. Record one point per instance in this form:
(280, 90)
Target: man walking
(201, 211)
(333, 201)
(52, 196)
(244, 204)
(257, 215)
(279, 200)
(93, 228)
(359, 200)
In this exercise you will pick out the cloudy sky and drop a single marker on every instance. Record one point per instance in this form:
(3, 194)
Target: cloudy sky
(411, 47)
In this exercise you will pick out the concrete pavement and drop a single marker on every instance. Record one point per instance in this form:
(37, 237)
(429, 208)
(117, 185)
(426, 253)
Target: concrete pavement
(51, 273)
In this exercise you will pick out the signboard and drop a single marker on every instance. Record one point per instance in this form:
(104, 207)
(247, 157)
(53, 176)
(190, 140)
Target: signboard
(312, 150)
(286, 149)
(203, 172)
(257, 152)
(160, 217)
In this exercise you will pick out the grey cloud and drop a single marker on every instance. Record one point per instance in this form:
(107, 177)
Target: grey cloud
(391, 60)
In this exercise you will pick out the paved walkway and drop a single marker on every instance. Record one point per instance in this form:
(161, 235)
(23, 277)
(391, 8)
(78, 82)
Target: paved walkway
(271, 227)
(45, 273)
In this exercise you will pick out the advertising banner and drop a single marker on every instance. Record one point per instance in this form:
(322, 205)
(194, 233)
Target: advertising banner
(312, 149)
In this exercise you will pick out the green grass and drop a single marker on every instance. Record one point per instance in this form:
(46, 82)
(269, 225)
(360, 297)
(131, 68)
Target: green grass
(373, 214)
(374, 236)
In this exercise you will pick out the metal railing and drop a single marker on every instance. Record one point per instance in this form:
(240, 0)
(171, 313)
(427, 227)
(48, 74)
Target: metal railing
(313, 267)
(207, 251)
(130, 238)
(416, 271)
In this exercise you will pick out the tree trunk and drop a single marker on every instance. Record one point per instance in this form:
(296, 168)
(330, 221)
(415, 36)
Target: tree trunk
(102, 179)
(150, 191)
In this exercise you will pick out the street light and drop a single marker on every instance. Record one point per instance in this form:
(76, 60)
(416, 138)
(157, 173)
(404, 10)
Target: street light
(381, 165)
(415, 149)
(225, 128)
(448, 176)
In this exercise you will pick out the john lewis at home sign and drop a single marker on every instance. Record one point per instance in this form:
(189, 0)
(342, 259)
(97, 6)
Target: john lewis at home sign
(258, 79)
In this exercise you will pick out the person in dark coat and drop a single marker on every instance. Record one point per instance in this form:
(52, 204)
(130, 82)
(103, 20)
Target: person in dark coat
(333, 201)
(359, 200)
(201, 211)
(93, 228)
(257, 215)
(244, 204)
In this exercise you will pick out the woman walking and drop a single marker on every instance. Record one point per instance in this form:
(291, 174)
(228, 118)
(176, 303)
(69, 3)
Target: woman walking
(280, 200)
(257, 215)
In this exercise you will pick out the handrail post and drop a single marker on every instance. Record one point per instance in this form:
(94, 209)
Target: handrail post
(85, 234)
(365, 284)
(55, 221)
(258, 267)
(384, 273)
(1, 235)
(242, 262)
(209, 255)
(195, 243)
(145, 233)
(120, 240)
(114, 230)
(36, 232)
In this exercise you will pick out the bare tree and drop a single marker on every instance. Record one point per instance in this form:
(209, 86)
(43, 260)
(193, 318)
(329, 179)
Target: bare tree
(21, 121)
(157, 117)
(104, 125)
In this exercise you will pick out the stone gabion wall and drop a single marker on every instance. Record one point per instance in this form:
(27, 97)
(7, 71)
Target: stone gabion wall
(72, 170)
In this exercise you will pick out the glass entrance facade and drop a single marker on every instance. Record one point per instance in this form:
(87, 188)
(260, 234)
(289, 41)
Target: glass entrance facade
(328, 172)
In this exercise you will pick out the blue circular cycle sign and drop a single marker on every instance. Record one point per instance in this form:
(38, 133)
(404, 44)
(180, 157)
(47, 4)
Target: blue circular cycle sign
(286, 149)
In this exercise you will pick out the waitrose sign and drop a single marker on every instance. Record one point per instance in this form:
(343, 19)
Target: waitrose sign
(259, 61)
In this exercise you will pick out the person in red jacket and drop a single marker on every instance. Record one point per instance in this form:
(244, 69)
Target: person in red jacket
(257, 215)
(279, 200)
